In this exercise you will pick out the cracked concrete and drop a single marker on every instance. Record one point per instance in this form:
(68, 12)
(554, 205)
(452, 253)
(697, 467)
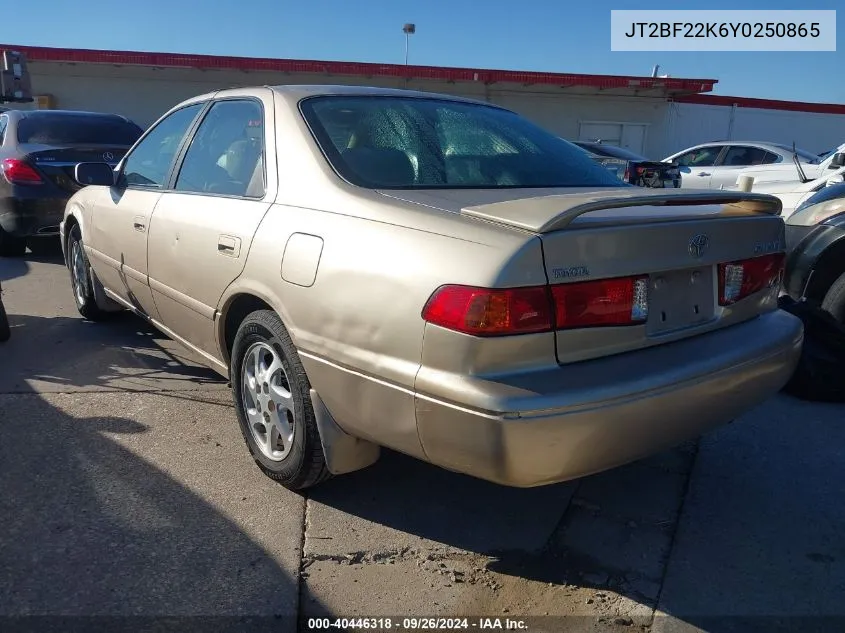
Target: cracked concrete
(128, 490)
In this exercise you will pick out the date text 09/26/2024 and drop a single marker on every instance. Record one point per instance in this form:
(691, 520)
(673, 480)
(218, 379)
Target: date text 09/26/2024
(416, 624)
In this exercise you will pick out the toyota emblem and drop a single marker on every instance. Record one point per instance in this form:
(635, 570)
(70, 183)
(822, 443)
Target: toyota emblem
(698, 245)
(108, 157)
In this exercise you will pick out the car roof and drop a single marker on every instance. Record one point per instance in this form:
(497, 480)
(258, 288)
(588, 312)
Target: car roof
(296, 92)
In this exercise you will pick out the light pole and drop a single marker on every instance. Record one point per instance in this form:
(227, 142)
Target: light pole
(408, 30)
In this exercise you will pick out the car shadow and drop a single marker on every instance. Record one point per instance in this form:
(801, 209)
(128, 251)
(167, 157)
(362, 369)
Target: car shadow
(13, 267)
(126, 354)
(90, 529)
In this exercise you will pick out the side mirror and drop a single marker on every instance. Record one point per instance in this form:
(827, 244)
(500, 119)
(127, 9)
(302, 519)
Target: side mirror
(95, 174)
(837, 161)
(835, 180)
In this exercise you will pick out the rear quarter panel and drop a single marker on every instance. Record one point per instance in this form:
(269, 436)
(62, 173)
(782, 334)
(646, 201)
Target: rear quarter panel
(350, 286)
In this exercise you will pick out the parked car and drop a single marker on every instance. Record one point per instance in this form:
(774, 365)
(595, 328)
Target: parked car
(631, 167)
(717, 165)
(815, 241)
(376, 267)
(38, 152)
(798, 170)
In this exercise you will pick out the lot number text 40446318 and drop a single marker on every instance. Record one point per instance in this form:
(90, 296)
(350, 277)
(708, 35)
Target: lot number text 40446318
(416, 624)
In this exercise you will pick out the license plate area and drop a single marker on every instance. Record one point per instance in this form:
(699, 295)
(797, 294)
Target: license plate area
(680, 299)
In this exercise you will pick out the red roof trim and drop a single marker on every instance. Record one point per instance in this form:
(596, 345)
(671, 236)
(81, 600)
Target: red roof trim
(762, 104)
(179, 60)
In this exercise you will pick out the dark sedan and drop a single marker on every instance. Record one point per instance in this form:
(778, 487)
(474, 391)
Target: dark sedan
(631, 167)
(38, 152)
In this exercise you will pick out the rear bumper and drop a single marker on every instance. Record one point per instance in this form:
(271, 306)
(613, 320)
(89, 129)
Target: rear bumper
(32, 217)
(576, 420)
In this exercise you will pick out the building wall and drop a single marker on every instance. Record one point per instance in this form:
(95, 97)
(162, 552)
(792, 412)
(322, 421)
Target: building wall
(692, 123)
(144, 93)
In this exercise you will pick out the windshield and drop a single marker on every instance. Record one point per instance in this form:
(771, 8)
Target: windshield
(429, 143)
(805, 157)
(611, 151)
(76, 129)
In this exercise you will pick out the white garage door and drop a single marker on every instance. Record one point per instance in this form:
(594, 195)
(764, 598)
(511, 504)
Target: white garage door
(628, 135)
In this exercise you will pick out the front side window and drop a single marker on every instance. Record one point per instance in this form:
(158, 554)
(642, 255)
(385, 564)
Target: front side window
(226, 155)
(428, 143)
(149, 163)
(701, 157)
(50, 128)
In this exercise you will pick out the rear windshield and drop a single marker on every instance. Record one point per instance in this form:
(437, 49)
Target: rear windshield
(428, 143)
(75, 129)
(802, 155)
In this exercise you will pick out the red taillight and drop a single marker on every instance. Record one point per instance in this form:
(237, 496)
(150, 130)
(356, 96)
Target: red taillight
(17, 172)
(486, 312)
(498, 312)
(621, 301)
(740, 279)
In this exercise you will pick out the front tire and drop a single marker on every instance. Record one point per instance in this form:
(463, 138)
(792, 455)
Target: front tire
(273, 403)
(11, 246)
(82, 280)
(834, 300)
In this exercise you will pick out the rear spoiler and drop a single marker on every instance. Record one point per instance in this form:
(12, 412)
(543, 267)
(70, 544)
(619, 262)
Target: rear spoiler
(732, 204)
(553, 213)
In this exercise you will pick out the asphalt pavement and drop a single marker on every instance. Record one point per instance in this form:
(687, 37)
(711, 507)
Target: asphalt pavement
(128, 492)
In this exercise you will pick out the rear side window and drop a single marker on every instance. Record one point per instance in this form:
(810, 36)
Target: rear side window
(4, 121)
(75, 129)
(741, 155)
(226, 155)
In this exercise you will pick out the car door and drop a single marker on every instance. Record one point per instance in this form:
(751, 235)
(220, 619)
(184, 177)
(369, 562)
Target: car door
(696, 166)
(736, 159)
(203, 227)
(116, 234)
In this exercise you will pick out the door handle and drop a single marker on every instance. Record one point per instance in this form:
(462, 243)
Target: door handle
(139, 223)
(702, 173)
(229, 245)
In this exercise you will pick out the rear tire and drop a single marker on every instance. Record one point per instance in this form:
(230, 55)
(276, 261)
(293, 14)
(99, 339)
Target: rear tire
(82, 280)
(273, 403)
(11, 246)
(834, 301)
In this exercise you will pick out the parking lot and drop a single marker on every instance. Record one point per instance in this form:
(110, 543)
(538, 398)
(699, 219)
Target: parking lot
(128, 490)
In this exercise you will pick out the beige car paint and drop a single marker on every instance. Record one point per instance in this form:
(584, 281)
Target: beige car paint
(120, 235)
(520, 410)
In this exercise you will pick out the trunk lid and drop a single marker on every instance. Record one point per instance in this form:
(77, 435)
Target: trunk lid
(57, 162)
(676, 238)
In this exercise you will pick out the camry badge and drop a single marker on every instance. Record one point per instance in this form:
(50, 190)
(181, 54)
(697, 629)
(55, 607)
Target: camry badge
(698, 245)
(108, 156)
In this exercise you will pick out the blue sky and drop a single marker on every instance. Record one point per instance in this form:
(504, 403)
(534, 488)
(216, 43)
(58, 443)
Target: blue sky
(562, 36)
